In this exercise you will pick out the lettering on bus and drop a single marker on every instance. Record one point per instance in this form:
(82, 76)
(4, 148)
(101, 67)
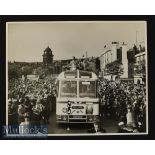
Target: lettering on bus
(77, 107)
(85, 74)
(71, 109)
(70, 74)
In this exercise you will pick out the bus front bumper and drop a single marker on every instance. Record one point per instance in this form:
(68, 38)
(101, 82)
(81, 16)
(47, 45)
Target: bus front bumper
(77, 118)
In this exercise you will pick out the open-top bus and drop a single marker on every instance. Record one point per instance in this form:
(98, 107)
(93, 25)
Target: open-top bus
(77, 100)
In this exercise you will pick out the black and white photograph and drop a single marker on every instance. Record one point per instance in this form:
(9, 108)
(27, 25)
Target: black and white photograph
(75, 78)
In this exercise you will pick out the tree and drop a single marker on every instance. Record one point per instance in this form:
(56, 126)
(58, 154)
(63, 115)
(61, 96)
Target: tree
(140, 69)
(46, 71)
(114, 68)
(38, 71)
(13, 71)
(26, 70)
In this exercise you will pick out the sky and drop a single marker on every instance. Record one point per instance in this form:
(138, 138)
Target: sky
(27, 41)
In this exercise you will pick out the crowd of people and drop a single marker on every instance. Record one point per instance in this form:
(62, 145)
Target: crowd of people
(87, 64)
(126, 102)
(31, 100)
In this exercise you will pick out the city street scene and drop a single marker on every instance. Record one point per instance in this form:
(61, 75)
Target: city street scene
(78, 78)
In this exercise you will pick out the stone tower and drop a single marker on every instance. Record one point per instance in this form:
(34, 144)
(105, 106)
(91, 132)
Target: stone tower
(48, 57)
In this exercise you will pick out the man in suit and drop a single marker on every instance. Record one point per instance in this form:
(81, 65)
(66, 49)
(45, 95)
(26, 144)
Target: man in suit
(96, 129)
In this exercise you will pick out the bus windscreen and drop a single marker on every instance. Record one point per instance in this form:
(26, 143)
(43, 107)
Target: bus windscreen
(69, 89)
(87, 89)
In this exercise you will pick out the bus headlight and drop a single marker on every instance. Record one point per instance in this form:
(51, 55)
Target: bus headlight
(58, 117)
(89, 109)
(62, 118)
(90, 118)
(96, 118)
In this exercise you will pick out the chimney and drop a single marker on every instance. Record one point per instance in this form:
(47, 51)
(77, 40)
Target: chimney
(140, 48)
(86, 54)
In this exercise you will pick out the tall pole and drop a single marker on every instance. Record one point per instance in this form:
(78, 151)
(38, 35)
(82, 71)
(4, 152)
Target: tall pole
(136, 37)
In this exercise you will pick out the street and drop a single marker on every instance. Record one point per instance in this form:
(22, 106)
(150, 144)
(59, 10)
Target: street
(110, 125)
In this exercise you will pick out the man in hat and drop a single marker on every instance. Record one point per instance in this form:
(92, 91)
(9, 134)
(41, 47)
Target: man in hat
(21, 111)
(96, 129)
(12, 113)
(130, 117)
(73, 64)
(25, 125)
(37, 112)
(102, 106)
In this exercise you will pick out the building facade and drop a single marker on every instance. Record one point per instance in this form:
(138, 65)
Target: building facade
(140, 68)
(114, 60)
